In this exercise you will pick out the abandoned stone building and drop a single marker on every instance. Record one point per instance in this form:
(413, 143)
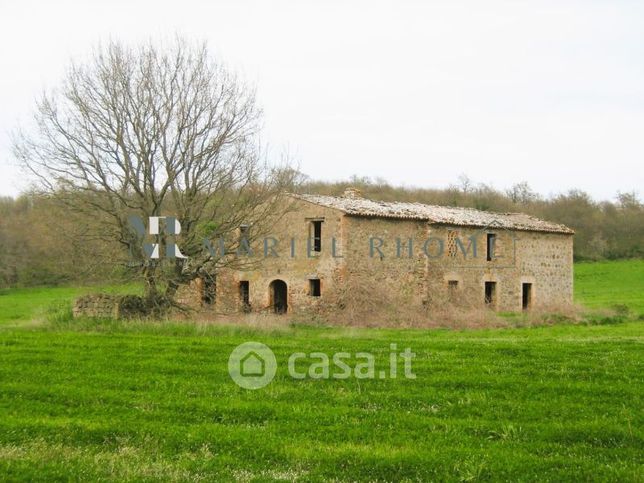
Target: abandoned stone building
(330, 250)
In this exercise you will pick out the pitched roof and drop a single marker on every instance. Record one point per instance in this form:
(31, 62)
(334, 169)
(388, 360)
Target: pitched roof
(446, 215)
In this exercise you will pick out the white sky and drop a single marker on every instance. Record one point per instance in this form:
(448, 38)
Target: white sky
(416, 92)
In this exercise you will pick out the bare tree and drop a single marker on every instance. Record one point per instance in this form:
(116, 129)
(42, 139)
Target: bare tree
(465, 183)
(521, 193)
(151, 131)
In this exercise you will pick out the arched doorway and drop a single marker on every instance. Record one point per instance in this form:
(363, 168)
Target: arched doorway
(279, 296)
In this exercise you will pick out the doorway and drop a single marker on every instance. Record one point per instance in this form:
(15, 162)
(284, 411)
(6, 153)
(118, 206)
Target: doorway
(278, 296)
(526, 295)
(490, 294)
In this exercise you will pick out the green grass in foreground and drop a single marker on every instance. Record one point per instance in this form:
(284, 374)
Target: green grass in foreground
(557, 403)
(143, 401)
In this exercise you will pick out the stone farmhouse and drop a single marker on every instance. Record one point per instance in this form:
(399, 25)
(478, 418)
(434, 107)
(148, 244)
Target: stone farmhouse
(332, 251)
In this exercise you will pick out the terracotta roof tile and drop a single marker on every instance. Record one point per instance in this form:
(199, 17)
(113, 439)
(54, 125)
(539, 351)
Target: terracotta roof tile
(447, 215)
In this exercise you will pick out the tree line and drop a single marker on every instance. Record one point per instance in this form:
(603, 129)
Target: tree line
(41, 242)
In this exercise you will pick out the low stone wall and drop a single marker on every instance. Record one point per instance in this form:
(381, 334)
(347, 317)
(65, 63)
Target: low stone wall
(106, 306)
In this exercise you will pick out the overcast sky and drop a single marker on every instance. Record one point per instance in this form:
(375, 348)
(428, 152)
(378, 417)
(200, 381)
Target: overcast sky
(416, 92)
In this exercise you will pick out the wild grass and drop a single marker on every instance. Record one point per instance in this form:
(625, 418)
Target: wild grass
(35, 304)
(611, 284)
(152, 401)
(548, 403)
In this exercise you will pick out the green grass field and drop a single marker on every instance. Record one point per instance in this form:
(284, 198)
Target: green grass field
(26, 306)
(119, 401)
(606, 284)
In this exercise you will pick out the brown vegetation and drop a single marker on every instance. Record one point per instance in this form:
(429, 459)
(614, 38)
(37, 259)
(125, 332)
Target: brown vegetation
(43, 243)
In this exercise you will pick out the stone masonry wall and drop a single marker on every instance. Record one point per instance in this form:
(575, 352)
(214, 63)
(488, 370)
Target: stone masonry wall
(190, 294)
(360, 273)
(97, 306)
(293, 264)
(106, 306)
(379, 264)
(541, 259)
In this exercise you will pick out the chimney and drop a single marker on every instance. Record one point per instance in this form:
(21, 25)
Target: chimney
(352, 193)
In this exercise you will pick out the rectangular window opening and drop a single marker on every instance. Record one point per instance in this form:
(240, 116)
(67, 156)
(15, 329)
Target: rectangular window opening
(243, 232)
(452, 288)
(209, 290)
(314, 287)
(526, 296)
(490, 293)
(316, 235)
(491, 241)
(244, 295)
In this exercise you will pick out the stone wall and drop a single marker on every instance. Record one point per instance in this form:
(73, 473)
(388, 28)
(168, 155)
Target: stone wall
(379, 267)
(359, 273)
(191, 295)
(98, 306)
(543, 260)
(547, 260)
(294, 264)
(106, 306)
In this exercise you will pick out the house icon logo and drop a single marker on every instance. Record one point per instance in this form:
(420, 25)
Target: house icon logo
(252, 365)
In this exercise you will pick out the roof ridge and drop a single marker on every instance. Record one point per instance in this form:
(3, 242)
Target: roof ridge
(437, 214)
(419, 203)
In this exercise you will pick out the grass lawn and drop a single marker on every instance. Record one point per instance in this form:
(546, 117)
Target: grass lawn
(112, 400)
(28, 305)
(606, 284)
